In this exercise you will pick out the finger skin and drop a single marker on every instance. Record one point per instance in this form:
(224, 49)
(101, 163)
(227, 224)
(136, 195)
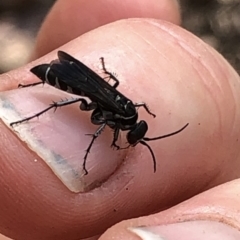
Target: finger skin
(4, 238)
(220, 204)
(70, 19)
(182, 80)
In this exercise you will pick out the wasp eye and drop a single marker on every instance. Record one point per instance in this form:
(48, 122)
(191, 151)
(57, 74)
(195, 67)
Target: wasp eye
(136, 134)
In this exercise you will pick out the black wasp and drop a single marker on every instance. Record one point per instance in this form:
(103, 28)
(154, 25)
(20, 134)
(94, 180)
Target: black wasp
(110, 107)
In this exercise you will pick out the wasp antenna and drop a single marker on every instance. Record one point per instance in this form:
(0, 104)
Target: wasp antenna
(151, 151)
(167, 135)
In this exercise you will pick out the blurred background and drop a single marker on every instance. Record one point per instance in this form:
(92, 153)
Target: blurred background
(217, 22)
(19, 23)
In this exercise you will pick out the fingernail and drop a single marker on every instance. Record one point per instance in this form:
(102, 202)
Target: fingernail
(144, 234)
(58, 138)
(197, 230)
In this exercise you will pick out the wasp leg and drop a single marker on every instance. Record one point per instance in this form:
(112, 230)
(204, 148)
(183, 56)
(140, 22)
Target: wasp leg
(115, 138)
(111, 76)
(29, 85)
(55, 105)
(145, 107)
(94, 136)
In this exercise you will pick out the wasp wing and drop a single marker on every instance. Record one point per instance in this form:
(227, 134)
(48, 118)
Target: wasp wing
(85, 82)
(63, 56)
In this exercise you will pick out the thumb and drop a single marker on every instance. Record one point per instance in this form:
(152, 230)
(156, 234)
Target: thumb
(213, 214)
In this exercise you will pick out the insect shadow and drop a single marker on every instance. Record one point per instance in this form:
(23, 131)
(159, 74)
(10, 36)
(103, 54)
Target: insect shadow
(110, 107)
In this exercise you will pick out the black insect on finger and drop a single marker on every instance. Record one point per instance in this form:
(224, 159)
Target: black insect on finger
(110, 107)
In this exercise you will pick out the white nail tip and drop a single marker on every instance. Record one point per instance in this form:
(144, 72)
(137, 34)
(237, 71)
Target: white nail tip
(146, 235)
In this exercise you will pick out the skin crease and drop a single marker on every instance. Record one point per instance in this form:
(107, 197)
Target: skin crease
(31, 186)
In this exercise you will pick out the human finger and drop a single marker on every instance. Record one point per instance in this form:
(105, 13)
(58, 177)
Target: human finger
(209, 215)
(70, 19)
(162, 64)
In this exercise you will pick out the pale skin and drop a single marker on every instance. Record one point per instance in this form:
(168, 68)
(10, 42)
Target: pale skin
(201, 91)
